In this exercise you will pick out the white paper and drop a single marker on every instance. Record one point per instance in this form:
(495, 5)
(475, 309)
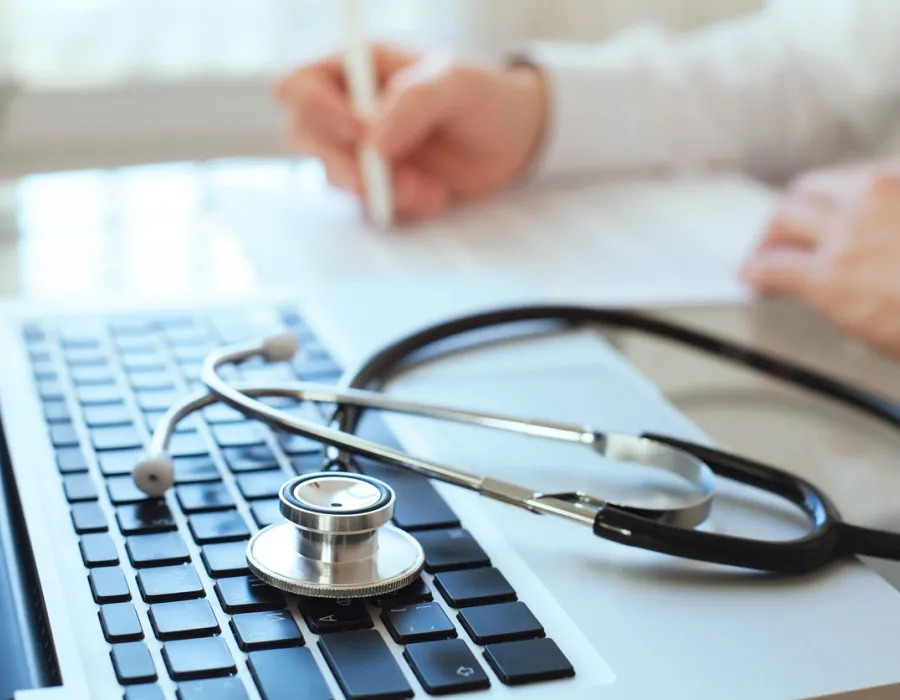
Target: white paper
(647, 242)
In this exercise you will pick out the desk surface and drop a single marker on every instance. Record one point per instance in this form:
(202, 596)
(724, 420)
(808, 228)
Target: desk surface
(165, 233)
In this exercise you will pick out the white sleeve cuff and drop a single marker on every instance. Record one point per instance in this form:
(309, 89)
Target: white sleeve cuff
(610, 107)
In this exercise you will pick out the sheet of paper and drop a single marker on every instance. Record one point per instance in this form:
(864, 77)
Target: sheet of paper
(639, 242)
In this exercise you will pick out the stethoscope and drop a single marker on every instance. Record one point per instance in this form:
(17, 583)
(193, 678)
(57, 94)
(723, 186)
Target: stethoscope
(337, 539)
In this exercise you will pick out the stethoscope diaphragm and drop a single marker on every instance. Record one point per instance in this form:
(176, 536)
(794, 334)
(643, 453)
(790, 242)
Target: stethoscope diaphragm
(336, 541)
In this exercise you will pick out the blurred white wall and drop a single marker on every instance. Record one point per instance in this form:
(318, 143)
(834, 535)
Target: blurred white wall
(492, 24)
(118, 81)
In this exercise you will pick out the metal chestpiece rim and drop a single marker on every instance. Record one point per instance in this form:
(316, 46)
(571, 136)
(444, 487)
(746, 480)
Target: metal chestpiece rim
(336, 540)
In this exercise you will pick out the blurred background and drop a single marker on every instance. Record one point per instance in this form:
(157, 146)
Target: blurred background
(98, 83)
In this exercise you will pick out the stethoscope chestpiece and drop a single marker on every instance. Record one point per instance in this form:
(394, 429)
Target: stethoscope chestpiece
(336, 540)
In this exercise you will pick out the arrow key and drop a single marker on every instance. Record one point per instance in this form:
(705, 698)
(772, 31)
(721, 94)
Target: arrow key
(446, 666)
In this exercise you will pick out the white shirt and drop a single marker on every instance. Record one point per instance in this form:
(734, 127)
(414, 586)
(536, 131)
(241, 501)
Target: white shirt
(798, 84)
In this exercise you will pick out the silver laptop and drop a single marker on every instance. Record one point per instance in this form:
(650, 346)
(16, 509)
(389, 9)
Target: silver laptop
(108, 594)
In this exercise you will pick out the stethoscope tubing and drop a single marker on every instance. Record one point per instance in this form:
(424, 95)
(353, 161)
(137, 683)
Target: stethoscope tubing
(829, 538)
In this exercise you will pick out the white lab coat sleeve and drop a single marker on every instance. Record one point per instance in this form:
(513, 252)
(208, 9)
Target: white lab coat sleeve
(796, 85)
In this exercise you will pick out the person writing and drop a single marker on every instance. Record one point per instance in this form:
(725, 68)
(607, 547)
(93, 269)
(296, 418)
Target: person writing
(781, 94)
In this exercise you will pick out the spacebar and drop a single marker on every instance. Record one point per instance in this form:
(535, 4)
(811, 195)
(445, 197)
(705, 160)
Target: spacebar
(419, 506)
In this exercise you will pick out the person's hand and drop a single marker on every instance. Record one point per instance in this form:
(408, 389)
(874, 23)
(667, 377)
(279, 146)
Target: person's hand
(449, 129)
(834, 244)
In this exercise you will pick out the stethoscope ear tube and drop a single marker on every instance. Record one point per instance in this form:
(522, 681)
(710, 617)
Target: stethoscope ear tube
(828, 539)
(797, 556)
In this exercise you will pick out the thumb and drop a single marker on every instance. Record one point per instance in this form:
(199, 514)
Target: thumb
(779, 271)
(417, 101)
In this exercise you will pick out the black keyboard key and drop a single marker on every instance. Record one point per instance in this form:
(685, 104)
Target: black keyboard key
(364, 666)
(238, 434)
(50, 389)
(146, 517)
(419, 506)
(122, 490)
(225, 559)
(222, 413)
(325, 615)
(256, 485)
(188, 336)
(119, 463)
(132, 663)
(294, 444)
(84, 357)
(107, 415)
(266, 630)
(225, 526)
(528, 661)
(185, 425)
(501, 622)
(250, 459)
(88, 517)
(70, 460)
(202, 498)
(309, 463)
(191, 354)
(98, 549)
(183, 619)
(141, 358)
(416, 592)
(188, 444)
(267, 512)
(79, 487)
(108, 585)
(119, 437)
(142, 380)
(63, 435)
(446, 550)
(120, 623)
(56, 411)
(247, 594)
(207, 657)
(287, 674)
(90, 395)
(156, 399)
(191, 470)
(79, 337)
(158, 549)
(138, 345)
(483, 586)
(85, 375)
(144, 692)
(44, 369)
(422, 622)
(446, 666)
(323, 370)
(212, 689)
(167, 583)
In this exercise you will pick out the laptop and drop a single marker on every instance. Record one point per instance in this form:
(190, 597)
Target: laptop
(109, 594)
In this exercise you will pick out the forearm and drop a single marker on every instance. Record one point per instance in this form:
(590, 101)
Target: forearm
(753, 94)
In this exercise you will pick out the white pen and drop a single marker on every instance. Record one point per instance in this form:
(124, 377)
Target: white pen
(362, 84)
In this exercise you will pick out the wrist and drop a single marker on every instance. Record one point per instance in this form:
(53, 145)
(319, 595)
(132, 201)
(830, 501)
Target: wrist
(530, 85)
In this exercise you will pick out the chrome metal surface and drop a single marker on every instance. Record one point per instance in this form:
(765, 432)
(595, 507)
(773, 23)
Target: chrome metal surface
(273, 557)
(626, 448)
(336, 516)
(333, 503)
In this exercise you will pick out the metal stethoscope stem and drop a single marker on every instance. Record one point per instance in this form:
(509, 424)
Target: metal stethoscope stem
(575, 506)
(336, 539)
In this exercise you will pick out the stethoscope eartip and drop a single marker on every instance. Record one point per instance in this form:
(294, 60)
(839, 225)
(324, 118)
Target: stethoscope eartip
(154, 475)
(280, 347)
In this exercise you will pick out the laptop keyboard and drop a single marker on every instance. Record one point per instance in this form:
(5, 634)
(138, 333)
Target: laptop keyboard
(175, 601)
